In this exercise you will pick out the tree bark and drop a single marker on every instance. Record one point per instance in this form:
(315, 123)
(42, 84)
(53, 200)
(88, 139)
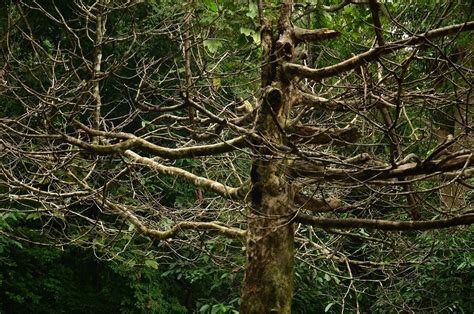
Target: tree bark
(268, 281)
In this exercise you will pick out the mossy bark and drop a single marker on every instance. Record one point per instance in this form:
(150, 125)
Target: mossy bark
(268, 283)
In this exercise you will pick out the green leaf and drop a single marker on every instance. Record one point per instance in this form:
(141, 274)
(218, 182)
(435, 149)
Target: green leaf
(246, 31)
(212, 45)
(32, 216)
(328, 307)
(328, 16)
(204, 308)
(98, 242)
(211, 5)
(461, 266)
(253, 10)
(364, 233)
(58, 214)
(250, 33)
(151, 263)
(130, 263)
(218, 308)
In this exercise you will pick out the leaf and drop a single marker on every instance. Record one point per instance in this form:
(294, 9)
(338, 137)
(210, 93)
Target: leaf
(32, 216)
(42, 180)
(211, 5)
(204, 308)
(216, 83)
(151, 263)
(17, 244)
(364, 233)
(328, 16)
(218, 308)
(250, 33)
(130, 263)
(212, 45)
(246, 31)
(224, 276)
(248, 106)
(256, 38)
(98, 242)
(328, 307)
(253, 10)
(461, 266)
(58, 214)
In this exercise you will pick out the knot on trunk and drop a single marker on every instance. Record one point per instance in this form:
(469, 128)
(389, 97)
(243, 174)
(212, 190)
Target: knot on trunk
(285, 48)
(274, 97)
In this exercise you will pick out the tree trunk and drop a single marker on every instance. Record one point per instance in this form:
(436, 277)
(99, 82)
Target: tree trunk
(268, 282)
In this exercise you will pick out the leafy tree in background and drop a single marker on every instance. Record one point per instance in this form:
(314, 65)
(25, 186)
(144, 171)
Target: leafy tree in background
(36, 280)
(214, 128)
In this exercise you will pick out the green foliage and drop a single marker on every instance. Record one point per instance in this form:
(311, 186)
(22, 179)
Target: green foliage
(206, 278)
(444, 280)
(40, 280)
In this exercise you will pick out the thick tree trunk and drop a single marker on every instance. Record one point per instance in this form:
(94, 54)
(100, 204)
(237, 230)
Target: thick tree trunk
(268, 282)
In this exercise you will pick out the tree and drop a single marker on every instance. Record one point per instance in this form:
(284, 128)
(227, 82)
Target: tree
(120, 111)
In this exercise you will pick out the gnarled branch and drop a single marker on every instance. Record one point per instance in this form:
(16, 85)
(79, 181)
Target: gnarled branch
(372, 54)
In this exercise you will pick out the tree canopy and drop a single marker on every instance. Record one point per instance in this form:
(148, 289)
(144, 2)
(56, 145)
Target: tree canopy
(286, 141)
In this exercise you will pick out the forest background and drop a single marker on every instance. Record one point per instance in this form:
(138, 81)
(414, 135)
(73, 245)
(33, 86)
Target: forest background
(386, 145)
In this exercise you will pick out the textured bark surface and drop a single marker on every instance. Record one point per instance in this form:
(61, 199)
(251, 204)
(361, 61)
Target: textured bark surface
(268, 283)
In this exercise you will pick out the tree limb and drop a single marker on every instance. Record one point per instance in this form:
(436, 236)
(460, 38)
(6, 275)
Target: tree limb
(318, 171)
(177, 228)
(293, 69)
(307, 35)
(132, 141)
(219, 188)
(314, 135)
(387, 225)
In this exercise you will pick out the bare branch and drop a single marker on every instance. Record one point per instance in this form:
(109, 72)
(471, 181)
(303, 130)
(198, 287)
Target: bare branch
(219, 188)
(177, 228)
(315, 135)
(387, 225)
(308, 35)
(132, 141)
(372, 54)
